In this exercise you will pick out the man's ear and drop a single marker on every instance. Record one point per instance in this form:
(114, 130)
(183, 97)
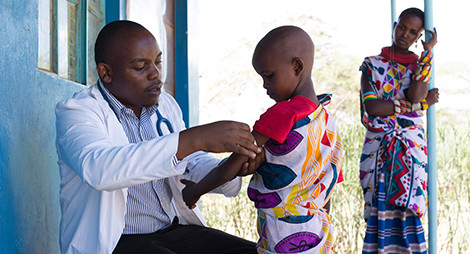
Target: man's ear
(105, 72)
(297, 65)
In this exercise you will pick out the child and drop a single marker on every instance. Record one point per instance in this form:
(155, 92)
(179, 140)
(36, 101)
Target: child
(303, 151)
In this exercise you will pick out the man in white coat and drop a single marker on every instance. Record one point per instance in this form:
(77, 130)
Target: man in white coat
(123, 148)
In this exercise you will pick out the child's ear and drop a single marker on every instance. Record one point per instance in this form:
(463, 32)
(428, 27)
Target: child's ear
(297, 65)
(105, 72)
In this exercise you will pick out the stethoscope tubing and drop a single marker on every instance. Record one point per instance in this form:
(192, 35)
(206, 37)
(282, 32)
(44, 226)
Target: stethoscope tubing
(158, 124)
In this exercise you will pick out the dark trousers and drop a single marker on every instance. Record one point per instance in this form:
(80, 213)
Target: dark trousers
(184, 239)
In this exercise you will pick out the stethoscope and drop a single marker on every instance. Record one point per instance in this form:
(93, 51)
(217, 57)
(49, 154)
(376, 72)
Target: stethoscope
(160, 118)
(159, 122)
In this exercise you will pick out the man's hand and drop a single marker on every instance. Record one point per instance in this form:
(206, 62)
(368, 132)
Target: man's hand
(188, 196)
(252, 165)
(218, 137)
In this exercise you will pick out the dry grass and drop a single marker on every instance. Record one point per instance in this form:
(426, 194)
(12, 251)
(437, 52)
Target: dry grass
(340, 77)
(237, 94)
(237, 215)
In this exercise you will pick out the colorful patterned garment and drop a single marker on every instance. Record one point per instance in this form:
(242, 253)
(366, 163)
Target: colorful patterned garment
(292, 187)
(393, 164)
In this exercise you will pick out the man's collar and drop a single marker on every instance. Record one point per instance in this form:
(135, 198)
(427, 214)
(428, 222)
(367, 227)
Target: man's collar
(114, 103)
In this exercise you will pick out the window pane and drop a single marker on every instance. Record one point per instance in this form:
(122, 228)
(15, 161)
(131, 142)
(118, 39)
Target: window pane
(96, 4)
(44, 57)
(94, 24)
(68, 13)
(62, 38)
(72, 40)
(64, 46)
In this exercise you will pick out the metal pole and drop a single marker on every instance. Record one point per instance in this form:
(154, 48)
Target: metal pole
(393, 8)
(181, 58)
(431, 136)
(115, 10)
(186, 73)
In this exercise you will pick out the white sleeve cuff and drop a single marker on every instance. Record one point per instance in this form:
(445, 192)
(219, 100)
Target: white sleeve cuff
(232, 188)
(180, 165)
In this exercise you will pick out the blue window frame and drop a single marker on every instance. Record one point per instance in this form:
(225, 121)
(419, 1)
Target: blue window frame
(67, 32)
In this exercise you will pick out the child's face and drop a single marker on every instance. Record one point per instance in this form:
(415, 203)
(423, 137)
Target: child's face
(407, 31)
(279, 76)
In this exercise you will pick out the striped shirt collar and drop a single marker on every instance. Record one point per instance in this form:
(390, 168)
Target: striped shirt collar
(119, 108)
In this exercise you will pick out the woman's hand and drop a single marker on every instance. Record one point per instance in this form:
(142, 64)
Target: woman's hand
(430, 44)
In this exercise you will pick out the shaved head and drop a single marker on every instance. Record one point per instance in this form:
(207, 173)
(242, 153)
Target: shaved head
(288, 42)
(284, 60)
(112, 33)
(128, 61)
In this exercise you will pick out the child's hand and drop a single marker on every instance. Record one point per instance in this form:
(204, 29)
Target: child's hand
(189, 196)
(433, 96)
(430, 44)
(251, 165)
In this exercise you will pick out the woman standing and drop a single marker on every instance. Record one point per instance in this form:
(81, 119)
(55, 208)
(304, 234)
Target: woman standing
(393, 167)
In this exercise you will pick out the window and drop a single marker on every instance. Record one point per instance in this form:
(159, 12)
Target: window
(67, 33)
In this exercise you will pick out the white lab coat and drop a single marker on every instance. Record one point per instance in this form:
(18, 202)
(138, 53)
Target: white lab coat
(97, 164)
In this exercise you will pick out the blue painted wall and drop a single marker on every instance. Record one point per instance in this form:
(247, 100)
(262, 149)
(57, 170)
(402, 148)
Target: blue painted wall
(29, 176)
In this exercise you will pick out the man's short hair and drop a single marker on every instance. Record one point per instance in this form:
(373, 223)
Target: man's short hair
(110, 33)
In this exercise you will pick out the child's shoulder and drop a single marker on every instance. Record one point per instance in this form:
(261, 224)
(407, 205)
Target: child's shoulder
(294, 107)
(300, 101)
(278, 120)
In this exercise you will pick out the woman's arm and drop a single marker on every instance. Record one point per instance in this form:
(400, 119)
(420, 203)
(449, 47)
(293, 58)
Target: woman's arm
(375, 107)
(418, 89)
(387, 108)
(417, 92)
